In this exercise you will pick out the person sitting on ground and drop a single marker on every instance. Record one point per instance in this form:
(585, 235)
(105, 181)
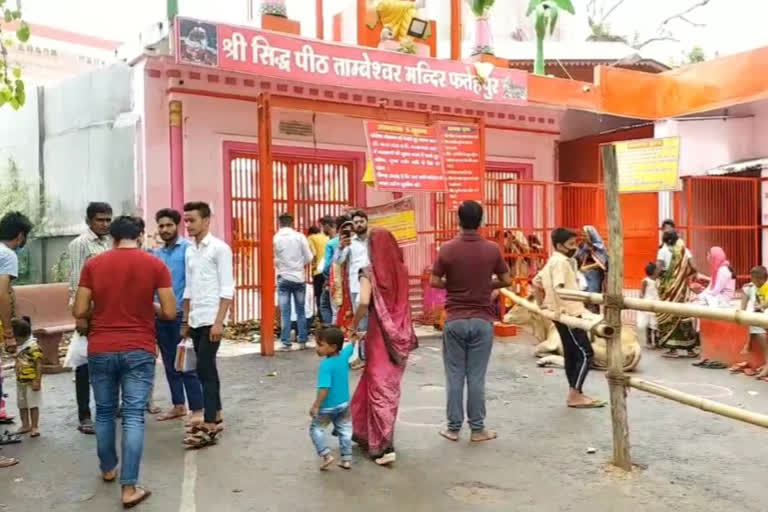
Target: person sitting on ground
(29, 374)
(332, 403)
(646, 321)
(755, 299)
(560, 273)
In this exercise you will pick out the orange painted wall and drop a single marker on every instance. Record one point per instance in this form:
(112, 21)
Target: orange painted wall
(580, 163)
(580, 158)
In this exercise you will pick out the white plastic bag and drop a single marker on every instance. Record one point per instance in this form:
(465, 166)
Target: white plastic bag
(77, 353)
(186, 358)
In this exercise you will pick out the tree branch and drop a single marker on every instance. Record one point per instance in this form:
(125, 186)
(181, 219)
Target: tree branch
(639, 46)
(681, 15)
(692, 23)
(605, 15)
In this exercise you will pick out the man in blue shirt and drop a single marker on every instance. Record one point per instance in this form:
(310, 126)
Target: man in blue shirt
(327, 311)
(173, 255)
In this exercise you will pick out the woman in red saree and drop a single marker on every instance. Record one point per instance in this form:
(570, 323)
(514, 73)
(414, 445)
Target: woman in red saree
(389, 340)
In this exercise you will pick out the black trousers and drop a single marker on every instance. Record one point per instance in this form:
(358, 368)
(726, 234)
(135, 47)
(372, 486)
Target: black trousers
(83, 392)
(318, 283)
(578, 354)
(207, 371)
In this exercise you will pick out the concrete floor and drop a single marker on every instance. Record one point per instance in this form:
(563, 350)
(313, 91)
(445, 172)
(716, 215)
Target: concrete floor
(265, 462)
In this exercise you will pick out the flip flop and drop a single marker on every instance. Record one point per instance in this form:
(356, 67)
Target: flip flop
(131, 504)
(714, 365)
(594, 404)
(8, 438)
(6, 462)
(34, 434)
(8, 420)
(167, 416)
(450, 435)
(700, 363)
(749, 372)
(738, 367)
(670, 355)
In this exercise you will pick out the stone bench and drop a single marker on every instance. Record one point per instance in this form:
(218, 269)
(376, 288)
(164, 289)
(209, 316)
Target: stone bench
(47, 307)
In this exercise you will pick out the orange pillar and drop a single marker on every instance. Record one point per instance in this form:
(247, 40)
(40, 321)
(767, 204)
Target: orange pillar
(319, 20)
(456, 29)
(266, 228)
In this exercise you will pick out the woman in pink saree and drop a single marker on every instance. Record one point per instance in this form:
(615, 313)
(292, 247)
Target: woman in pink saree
(389, 340)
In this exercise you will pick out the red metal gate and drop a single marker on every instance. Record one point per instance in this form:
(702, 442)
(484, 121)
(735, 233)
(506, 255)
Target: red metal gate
(307, 187)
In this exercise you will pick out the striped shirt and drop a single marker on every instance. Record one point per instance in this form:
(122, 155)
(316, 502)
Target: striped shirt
(80, 249)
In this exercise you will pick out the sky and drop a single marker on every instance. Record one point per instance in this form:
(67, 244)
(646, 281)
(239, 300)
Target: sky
(730, 25)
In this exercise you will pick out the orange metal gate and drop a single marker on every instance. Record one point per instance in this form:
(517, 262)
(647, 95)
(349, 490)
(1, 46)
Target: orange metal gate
(309, 188)
(721, 211)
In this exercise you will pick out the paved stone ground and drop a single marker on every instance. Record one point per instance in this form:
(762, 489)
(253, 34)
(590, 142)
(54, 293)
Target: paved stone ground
(265, 462)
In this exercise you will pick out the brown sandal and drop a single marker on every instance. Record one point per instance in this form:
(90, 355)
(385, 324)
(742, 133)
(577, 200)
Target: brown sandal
(201, 438)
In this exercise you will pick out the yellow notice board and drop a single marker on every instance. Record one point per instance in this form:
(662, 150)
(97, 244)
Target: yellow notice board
(648, 165)
(398, 216)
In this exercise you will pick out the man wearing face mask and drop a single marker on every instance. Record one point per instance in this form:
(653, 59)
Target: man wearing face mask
(560, 272)
(14, 230)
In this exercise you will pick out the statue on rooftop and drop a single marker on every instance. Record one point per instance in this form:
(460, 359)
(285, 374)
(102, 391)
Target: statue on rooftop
(483, 36)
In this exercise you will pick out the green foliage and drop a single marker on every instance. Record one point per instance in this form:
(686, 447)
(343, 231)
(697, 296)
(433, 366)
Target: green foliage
(17, 195)
(12, 91)
(480, 7)
(696, 55)
(60, 269)
(546, 14)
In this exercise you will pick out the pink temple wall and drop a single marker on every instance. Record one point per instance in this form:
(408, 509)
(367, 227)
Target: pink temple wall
(209, 122)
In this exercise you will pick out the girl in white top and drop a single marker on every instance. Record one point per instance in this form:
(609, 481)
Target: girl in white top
(646, 321)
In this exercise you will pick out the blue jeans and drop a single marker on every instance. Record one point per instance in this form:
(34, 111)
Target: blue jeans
(363, 327)
(340, 417)
(168, 337)
(326, 312)
(132, 374)
(287, 290)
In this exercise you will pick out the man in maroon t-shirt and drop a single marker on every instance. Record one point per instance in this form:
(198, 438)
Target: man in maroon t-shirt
(466, 267)
(116, 293)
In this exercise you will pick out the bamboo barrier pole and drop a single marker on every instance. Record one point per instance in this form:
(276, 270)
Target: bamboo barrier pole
(598, 327)
(614, 287)
(761, 420)
(736, 316)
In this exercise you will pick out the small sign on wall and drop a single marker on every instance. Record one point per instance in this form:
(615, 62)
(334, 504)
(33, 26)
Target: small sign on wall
(295, 128)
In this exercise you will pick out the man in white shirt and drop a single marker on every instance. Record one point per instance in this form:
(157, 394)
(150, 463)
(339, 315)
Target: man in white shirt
(292, 255)
(208, 295)
(355, 249)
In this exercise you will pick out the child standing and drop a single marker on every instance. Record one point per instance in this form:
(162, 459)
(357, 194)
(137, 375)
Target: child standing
(646, 321)
(29, 374)
(332, 403)
(756, 300)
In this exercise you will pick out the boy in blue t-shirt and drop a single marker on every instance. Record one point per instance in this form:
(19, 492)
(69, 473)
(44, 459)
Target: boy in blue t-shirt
(332, 402)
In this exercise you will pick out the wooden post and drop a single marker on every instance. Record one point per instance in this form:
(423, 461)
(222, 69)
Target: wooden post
(613, 306)
(266, 227)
